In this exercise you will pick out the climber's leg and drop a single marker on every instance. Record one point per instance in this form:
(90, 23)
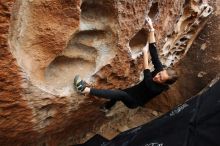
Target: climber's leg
(115, 95)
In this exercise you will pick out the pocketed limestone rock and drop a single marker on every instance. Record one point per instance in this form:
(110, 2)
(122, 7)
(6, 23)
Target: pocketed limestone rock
(45, 43)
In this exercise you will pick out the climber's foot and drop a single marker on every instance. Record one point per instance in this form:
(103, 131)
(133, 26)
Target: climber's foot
(79, 84)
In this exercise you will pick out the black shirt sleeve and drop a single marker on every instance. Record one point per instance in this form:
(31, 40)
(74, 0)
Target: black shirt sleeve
(154, 56)
(148, 80)
(147, 74)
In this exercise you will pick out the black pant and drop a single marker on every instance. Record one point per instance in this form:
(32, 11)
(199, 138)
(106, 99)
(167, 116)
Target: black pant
(114, 96)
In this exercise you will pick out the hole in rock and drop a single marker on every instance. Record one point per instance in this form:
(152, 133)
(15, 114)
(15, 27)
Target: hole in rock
(178, 54)
(61, 71)
(88, 38)
(77, 50)
(90, 35)
(210, 10)
(183, 39)
(138, 41)
(96, 9)
(154, 9)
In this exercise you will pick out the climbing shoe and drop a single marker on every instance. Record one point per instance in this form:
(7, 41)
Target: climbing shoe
(79, 84)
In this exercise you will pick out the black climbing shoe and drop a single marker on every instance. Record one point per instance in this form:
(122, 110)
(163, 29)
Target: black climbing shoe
(79, 84)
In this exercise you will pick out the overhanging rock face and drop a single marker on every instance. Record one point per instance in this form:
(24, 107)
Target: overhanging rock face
(52, 41)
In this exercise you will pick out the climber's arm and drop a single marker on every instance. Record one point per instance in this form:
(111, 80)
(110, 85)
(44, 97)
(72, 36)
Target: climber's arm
(148, 80)
(152, 46)
(154, 57)
(147, 74)
(145, 52)
(151, 36)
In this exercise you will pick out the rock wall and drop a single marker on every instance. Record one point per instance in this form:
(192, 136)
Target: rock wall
(44, 44)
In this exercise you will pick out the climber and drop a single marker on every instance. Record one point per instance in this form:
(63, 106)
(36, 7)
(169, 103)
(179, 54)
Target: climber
(152, 85)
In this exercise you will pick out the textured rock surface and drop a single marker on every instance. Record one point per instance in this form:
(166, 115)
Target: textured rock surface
(51, 41)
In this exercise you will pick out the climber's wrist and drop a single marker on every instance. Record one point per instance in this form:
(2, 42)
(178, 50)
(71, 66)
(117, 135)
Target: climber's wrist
(151, 29)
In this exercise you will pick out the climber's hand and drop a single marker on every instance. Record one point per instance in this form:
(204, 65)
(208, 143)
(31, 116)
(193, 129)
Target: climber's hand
(149, 21)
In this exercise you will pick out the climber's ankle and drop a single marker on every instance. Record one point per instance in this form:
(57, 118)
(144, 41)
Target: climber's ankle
(86, 90)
